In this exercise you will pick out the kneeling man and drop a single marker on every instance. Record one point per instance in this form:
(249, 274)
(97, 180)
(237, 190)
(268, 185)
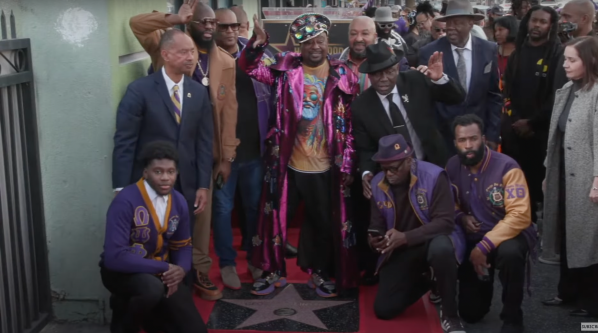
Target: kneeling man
(413, 227)
(494, 209)
(147, 250)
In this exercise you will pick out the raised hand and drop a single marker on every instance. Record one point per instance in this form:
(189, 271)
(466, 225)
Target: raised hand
(186, 11)
(260, 33)
(435, 67)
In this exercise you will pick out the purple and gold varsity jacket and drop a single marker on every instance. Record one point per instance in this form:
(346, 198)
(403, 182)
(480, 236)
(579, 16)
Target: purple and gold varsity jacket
(497, 196)
(136, 242)
(421, 188)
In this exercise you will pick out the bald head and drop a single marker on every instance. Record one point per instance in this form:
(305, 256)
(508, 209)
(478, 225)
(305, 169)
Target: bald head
(362, 32)
(361, 22)
(202, 11)
(243, 20)
(580, 12)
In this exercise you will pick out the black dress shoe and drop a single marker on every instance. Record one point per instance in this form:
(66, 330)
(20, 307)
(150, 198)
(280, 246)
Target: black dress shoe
(555, 301)
(579, 313)
(291, 251)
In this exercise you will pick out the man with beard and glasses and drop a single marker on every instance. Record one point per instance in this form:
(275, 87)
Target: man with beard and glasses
(473, 62)
(494, 209)
(413, 227)
(310, 158)
(424, 17)
(215, 70)
(528, 81)
(385, 25)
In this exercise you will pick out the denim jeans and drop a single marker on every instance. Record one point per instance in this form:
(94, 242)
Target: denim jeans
(248, 176)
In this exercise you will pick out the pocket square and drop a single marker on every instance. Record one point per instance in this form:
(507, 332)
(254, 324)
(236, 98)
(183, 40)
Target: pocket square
(488, 68)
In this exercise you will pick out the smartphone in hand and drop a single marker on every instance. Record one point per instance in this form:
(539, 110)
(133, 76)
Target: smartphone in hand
(219, 182)
(375, 233)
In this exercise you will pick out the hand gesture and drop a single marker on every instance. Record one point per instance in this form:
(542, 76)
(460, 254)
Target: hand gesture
(478, 260)
(173, 276)
(470, 224)
(259, 32)
(395, 239)
(186, 11)
(201, 199)
(435, 69)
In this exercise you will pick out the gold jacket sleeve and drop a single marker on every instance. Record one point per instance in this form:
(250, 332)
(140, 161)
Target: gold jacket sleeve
(518, 212)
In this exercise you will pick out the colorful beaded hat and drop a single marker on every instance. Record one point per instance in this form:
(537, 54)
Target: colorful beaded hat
(308, 26)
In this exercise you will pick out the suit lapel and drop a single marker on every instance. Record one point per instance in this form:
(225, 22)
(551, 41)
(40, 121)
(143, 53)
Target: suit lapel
(379, 111)
(187, 100)
(477, 64)
(449, 60)
(162, 91)
(408, 104)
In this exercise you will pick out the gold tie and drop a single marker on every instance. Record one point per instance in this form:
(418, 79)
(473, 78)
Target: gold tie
(177, 103)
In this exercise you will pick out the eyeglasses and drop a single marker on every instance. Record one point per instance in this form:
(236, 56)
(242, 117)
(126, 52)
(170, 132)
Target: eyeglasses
(223, 27)
(394, 170)
(419, 24)
(386, 25)
(439, 30)
(206, 21)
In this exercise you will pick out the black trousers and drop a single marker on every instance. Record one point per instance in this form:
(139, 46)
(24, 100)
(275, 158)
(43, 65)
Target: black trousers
(367, 258)
(140, 302)
(402, 280)
(316, 241)
(575, 284)
(475, 296)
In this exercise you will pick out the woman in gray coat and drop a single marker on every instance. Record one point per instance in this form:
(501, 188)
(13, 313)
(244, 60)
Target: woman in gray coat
(571, 184)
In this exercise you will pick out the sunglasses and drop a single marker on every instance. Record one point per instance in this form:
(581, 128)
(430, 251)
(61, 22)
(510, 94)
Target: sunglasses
(386, 25)
(206, 21)
(223, 27)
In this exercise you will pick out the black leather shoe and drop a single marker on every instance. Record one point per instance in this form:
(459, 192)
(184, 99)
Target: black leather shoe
(291, 251)
(579, 313)
(555, 301)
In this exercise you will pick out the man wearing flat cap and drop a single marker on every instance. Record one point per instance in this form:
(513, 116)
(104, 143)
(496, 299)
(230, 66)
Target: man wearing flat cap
(401, 103)
(310, 158)
(473, 62)
(413, 227)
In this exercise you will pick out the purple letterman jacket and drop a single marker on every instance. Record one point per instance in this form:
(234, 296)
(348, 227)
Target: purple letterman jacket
(497, 196)
(421, 188)
(135, 241)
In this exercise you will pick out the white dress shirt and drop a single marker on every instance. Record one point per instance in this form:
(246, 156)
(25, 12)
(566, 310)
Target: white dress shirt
(467, 54)
(159, 201)
(415, 141)
(170, 85)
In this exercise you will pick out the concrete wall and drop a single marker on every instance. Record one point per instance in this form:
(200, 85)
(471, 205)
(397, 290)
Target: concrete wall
(75, 46)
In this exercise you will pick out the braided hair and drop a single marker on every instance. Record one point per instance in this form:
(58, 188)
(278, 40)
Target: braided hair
(522, 39)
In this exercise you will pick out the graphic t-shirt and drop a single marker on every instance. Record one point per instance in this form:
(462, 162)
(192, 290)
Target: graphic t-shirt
(310, 153)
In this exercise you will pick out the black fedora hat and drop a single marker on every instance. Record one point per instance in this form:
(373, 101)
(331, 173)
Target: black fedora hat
(378, 57)
(392, 148)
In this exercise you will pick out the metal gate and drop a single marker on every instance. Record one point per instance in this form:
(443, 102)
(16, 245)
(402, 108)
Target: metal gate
(25, 298)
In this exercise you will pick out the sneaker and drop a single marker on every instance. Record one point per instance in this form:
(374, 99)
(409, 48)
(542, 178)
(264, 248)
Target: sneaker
(206, 289)
(452, 325)
(511, 328)
(255, 272)
(322, 284)
(230, 278)
(267, 283)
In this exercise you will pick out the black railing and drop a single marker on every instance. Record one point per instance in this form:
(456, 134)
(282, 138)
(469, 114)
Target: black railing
(25, 297)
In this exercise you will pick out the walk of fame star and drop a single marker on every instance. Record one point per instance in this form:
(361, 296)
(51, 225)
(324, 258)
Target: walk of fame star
(283, 312)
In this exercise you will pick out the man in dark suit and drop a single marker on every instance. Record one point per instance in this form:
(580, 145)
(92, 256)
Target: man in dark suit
(473, 62)
(167, 106)
(400, 103)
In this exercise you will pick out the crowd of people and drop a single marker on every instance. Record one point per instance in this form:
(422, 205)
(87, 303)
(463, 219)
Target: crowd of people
(424, 155)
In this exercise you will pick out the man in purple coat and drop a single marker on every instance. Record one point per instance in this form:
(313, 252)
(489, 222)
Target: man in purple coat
(413, 227)
(147, 251)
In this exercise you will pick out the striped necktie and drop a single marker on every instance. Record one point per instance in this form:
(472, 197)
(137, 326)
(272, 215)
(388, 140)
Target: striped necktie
(177, 103)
